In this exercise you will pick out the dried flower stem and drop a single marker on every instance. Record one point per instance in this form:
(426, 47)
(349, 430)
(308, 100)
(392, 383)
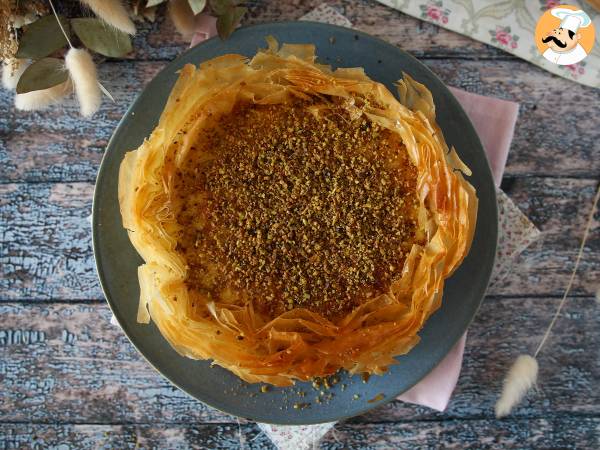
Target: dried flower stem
(60, 24)
(522, 375)
(586, 233)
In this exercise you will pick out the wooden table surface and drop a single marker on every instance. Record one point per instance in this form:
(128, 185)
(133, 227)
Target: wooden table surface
(68, 377)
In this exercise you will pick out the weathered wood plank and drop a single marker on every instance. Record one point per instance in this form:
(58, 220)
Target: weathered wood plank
(58, 145)
(161, 41)
(67, 363)
(45, 246)
(567, 432)
(76, 378)
(543, 144)
(420, 38)
(146, 436)
(560, 213)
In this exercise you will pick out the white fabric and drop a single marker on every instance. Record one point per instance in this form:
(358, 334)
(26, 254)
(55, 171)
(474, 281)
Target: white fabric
(571, 20)
(566, 58)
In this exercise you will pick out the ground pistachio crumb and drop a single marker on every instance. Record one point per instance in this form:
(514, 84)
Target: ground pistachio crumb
(295, 210)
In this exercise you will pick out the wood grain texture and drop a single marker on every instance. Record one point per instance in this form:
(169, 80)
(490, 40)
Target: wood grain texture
(58, 145)
(561, 433)
(146, 436)
(46, 252)
(46, 247)
(70, 379)
(65, 363)
(160, 40)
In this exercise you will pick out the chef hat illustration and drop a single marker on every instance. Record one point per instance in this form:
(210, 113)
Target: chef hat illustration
(571, 20)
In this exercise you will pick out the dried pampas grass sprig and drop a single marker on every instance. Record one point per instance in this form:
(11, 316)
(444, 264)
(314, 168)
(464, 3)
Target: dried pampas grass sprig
(183, 17)
(84, 77)
(12, 71)
(522, 375)
(520, 378)
(113, 13)
(82, 70)
(36, 100)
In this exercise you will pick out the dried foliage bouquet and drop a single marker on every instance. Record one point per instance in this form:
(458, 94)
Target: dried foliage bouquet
(46, 47)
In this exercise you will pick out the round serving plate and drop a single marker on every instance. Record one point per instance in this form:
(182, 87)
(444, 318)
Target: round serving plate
(117, 261)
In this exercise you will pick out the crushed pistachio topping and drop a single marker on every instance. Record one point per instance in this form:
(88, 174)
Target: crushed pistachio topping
(295, 209)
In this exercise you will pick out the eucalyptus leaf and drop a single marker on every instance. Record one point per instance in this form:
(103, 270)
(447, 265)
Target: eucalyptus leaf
(42, 38)
(42, 74)
(197, 5)
(220, 7)
(227, 22)
(150, 3)
(100, 38)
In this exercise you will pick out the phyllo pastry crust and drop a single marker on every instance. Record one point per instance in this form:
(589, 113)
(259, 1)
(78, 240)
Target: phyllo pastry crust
(294, 220)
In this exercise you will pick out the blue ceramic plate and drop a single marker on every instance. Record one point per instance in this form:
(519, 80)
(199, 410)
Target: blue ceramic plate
(117, 261)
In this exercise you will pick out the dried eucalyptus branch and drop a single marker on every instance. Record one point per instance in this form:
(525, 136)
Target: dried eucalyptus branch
(32, 56)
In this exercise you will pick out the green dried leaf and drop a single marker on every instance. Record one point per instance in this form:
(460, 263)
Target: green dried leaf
(220, 7)
(226, 23)
(150, 3)
(42, 74)
(197, 5)
(42, 38)
(100, 38)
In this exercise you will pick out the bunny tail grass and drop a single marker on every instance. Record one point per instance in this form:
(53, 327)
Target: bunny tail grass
(113, 13)
(182, 17)
(520, 378)
(82, 70)
(36, 100)
(12, 71)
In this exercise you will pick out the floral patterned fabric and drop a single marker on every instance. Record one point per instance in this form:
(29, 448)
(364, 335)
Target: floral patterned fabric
(508, 25)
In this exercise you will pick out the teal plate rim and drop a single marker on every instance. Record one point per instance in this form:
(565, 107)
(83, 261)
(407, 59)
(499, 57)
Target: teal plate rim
(117, 261)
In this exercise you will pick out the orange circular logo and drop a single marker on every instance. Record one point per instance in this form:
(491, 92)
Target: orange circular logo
(564, 35)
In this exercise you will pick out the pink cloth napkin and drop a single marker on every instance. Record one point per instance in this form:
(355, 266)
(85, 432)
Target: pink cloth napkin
(206, 27)
(494, 120)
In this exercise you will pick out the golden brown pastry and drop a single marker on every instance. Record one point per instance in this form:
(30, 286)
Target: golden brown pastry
(294, 220)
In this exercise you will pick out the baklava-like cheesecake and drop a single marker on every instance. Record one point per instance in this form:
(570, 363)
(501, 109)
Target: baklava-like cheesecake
(294, 220)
